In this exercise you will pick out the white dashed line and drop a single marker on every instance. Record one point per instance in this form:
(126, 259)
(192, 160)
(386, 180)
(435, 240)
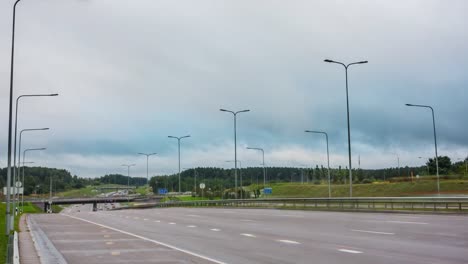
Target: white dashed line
(157, 221)
(350, 251)
(247, 235)
(405, 222)
(149, 240)
(372, 232)
(146, 219)
(192, 215)
(191, 226)
(288, 242)
(172, 223)
(215, 229)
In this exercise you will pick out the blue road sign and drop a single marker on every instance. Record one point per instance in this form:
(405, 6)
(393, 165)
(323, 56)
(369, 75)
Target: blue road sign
(267, 190)
(162, 191)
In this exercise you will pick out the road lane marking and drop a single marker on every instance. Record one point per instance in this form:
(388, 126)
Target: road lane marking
(115, 253)
(372, 232)
(157, 221)
(215, 229)
(149, 240)
(247, 235)
(192, 215)
(146, 219)
(406, 222)
(288, 241)
(172, 223)
(109, 243)
(191, 226)
(350, 251)
(247, 220)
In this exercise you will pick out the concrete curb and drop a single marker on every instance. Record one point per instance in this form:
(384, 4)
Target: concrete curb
(15, 249)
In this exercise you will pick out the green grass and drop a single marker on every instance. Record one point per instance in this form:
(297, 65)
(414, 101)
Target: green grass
(28, 208)
(3, 237)
(419, 188)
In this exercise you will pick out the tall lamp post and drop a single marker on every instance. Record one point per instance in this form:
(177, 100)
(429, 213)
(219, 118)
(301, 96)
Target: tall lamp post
(328, 158)
(178, 142)
(16, 188)
(235, 140)
(10, 117)
(147, 159)
(435, 142)
(240, 174)
(16, 167)
(346, 66)
(263, 163)
(16, 129)
(22, 183)
(128, 174)
(398, 163)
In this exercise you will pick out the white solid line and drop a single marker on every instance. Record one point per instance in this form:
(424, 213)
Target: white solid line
(350, 251)
(372, 232)
(288, 241)
(215, 229)
(405, 222)
(247, 235)
(150, 240)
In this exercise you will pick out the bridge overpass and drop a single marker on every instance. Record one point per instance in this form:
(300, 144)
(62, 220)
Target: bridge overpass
(47, 204)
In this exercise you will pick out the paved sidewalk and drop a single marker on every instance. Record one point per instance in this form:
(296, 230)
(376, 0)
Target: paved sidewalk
(28, 254)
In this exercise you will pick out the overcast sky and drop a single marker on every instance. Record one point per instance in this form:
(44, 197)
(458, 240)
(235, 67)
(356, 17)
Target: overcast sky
(130, 73)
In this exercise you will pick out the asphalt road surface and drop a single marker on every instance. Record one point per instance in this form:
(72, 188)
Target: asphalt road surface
(205, 235)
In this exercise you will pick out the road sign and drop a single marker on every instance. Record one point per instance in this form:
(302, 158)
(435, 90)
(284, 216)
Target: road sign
(13, 190)
(267, 191)
(202, 186)
(162, 191)
(18, 184)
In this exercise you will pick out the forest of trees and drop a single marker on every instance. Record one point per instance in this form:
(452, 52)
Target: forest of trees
(37, 179)
(218, 179)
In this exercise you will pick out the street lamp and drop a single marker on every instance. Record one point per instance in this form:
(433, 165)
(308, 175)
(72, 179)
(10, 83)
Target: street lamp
(328, 158)
(147, 158)
(16, 128)
(349, 130)
(435, 142)
(9, 226)
(16, 167)
(398, 160)
(128, 181)
(16, 188)
(263, 163)
(235, 139)
(240, 174)
(22, 195)
(178, 142)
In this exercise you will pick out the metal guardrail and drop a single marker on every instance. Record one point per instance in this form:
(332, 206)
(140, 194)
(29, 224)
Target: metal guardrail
(431, 204)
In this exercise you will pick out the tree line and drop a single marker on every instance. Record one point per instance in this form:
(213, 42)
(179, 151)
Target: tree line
(37, 179)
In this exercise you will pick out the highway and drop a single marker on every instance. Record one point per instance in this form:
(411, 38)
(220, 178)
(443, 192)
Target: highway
(209, 235)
